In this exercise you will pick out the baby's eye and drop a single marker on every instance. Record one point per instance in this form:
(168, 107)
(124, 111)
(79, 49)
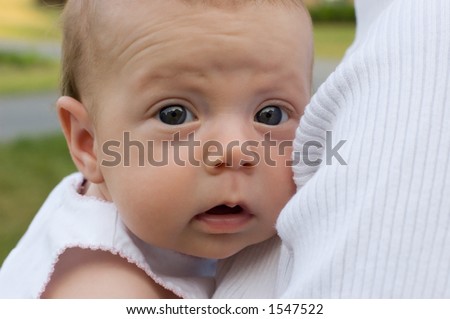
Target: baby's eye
(175, 115)
(271, 115)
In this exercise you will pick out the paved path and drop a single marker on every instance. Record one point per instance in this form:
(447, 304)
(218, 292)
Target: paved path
(34, 114)
(48, 49)
(27, 115)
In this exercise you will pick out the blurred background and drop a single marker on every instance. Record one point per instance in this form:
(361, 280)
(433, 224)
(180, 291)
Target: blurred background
(33, 155)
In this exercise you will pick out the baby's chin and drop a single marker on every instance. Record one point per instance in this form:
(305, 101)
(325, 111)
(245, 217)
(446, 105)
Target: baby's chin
(223, 252)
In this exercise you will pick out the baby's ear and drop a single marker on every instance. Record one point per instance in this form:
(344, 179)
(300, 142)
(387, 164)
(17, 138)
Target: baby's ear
(79, 132)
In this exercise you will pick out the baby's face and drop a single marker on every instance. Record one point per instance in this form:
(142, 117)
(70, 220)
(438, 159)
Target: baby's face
(218, 81)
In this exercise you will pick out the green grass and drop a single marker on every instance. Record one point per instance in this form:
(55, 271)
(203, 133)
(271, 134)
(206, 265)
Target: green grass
(23, 60)
(332, 40)
(15, 80)
(29, 169)
(27, 72)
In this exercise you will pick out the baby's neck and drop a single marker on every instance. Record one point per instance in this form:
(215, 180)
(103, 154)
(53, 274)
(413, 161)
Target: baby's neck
(92, 190)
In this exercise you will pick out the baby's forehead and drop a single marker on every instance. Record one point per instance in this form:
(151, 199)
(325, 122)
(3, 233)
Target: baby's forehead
(119, 21)
(113, 16)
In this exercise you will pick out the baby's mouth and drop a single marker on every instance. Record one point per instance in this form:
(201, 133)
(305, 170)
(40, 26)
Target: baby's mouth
(224, 210)
(224, 219)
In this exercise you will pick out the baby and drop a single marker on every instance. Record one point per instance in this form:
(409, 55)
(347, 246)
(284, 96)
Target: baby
(179, 115)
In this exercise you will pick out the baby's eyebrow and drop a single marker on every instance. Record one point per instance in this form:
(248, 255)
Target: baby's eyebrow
(147, 78)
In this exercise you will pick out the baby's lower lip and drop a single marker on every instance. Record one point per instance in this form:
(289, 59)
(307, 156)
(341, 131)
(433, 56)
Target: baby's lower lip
(223, 222)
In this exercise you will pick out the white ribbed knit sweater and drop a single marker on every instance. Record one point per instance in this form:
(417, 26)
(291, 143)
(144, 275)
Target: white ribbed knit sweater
(378, 227)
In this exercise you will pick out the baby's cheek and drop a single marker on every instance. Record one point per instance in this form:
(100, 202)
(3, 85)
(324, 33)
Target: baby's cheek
(283, 177)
